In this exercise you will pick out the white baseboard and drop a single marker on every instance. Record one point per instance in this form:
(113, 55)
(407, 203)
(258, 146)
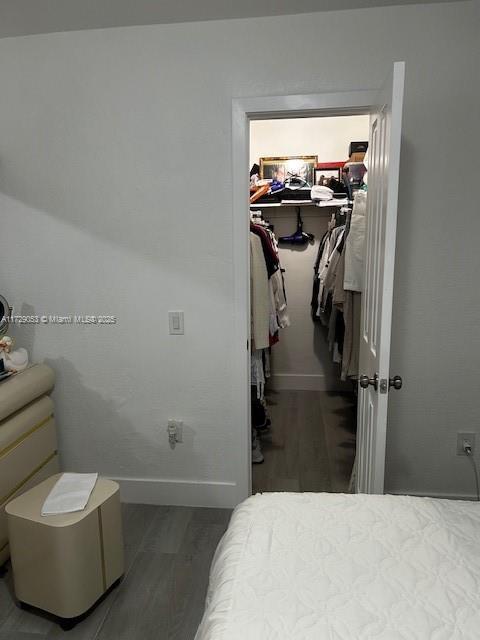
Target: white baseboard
(188, 493)
(305, 382)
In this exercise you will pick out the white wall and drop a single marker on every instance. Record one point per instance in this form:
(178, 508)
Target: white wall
(98, 131)
(326, 137)
(301, 359)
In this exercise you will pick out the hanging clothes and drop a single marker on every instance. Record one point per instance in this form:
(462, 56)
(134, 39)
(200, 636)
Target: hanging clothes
(331, 267)
(329, 253)
(338, 294)
(277, 297)
(338, 283)
(336, 326)
(316, 281)
(351, 345)
(270, 253)
(257, 373)
(353, 283)
(259, 295)
(355, 251)
(268, 300)
(279, 300)
(268, 316)
(338, 300)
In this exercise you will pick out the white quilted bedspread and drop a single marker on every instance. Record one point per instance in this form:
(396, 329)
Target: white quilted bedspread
(334, 566)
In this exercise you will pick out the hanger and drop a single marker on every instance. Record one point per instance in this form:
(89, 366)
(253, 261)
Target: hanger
(294, 181)
(300, 236)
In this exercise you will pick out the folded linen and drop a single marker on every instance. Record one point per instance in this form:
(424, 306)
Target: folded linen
(70, 493)
(320, 192)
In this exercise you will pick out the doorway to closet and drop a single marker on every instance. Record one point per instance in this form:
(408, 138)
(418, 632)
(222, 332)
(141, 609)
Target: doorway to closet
(384, 107)
(304, 174)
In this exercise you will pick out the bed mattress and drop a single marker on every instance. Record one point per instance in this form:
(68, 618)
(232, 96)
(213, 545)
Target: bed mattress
(335, 566)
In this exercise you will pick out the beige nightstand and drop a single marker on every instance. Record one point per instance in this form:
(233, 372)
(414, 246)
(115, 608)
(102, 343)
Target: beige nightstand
(63, 564)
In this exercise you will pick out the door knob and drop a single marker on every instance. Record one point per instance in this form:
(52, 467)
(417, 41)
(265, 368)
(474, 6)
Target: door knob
(396, 382)
(365, 381)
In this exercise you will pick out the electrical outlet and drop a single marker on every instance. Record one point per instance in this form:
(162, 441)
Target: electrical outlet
(464, 438)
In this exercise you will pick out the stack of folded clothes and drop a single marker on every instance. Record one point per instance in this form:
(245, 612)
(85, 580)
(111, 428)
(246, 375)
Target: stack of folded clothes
(320, 192)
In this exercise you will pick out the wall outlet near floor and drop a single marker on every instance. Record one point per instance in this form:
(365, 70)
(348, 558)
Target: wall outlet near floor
(463, 439)
(175, 432)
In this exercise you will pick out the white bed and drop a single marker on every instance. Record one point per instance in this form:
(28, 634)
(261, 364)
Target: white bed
(334, 566)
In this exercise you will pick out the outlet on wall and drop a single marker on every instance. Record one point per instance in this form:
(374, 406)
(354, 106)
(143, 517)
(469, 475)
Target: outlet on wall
(463, 439)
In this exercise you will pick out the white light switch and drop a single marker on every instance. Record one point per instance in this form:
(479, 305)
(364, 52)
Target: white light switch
(175, 323)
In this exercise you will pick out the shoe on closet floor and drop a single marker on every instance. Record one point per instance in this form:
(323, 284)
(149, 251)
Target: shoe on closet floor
(265, 435)
(264, 428)
(257, 455)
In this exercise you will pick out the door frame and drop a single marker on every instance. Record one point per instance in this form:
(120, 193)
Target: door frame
(244, 110)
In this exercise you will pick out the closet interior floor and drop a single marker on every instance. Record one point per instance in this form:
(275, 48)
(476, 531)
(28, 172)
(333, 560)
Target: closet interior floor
(312, 442)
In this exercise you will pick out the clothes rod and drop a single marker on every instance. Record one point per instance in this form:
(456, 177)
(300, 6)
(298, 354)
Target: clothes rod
(281, 205)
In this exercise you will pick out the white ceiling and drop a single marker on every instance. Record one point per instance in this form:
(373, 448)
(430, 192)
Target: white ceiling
(24, 17)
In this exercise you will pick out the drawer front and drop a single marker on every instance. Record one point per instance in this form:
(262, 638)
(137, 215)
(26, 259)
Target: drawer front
(22, 388)
(17, 427)
(27, 455)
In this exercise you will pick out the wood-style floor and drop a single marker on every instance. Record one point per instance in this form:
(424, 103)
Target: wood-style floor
(312, 442)
(169, 549)
(168, 555)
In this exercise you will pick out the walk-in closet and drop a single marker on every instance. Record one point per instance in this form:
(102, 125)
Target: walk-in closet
(308, 193)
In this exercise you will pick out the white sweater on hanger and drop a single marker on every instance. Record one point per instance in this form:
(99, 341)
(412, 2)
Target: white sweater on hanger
(355, 245)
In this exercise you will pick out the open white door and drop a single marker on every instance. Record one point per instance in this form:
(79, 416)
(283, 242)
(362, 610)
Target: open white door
(375, 381)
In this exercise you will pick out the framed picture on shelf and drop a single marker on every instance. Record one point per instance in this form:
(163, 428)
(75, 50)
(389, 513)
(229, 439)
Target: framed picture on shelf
(326, 170)
(279, 168)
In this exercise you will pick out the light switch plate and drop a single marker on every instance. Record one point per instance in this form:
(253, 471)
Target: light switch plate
(175, 430)
(175, 323)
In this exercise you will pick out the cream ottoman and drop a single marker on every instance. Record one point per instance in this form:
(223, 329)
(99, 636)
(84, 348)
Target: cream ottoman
(63, 564)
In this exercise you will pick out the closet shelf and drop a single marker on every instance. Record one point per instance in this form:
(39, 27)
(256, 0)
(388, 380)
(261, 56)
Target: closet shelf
(300, 203)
